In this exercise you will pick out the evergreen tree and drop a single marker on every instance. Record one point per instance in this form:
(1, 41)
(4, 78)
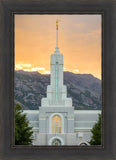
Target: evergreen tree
(23, 132)
(96, 133)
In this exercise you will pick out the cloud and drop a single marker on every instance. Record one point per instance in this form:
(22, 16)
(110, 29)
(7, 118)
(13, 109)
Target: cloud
(76, 70)
(40, 68)
(47, 72)
(64, 68)
(33, 69)
(22, 66)
(18, 66)
(26, 65)
(37, 69)
(26, 70)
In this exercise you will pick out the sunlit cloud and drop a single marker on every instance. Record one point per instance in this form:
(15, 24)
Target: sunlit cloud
(76, 70)
(27, 70)
(22, 66)
(31, 68)
(17, 66)
(37, 69)
(64, 68)
(26, 65)
(40, 68)
(47, 72)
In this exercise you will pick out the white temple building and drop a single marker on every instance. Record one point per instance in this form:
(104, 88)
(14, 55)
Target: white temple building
(56, 122)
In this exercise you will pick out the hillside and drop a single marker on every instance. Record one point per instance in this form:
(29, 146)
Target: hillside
(84, 89)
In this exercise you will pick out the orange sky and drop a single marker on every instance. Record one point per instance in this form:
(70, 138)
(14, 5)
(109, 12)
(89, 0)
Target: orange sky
(79, 42)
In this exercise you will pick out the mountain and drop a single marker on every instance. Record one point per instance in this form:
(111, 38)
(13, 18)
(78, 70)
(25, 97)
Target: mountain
(84, 89)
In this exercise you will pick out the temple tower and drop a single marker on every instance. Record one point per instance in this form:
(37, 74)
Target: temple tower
(56, 91)
(56, 114)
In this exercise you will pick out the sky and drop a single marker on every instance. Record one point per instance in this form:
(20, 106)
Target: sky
(79, 40)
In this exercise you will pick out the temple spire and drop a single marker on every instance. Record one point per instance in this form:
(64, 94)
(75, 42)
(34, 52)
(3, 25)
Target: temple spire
(57, 49)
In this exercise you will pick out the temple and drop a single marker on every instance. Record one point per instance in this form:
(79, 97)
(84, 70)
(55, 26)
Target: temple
(56, 122)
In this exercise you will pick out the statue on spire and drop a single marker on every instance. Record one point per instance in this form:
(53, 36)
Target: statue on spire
(57, 24)
(57, 49)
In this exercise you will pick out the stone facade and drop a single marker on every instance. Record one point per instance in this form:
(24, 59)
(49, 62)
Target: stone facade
(56, 122)
(77, 134)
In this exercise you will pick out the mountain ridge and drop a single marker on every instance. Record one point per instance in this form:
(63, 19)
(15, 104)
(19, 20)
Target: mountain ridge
(31, 87)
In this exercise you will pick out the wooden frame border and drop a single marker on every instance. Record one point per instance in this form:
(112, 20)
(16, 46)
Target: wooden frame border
(7, 9)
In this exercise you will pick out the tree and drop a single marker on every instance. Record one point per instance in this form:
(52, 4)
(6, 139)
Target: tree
(96, 133)
(23, 132)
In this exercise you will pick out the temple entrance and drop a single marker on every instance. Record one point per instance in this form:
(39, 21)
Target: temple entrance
(56, 124)
(56, 142)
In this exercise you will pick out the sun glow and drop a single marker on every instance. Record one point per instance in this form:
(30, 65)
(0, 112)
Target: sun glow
(79, 41)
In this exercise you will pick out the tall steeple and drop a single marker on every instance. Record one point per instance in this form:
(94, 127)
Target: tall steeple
(56, 103)
(57, 49)
(56, 91)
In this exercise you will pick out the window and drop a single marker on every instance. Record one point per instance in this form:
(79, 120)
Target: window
(56, 124)
(56, 142)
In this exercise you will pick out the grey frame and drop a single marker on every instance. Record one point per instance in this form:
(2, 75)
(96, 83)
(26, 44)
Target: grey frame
(107, 9)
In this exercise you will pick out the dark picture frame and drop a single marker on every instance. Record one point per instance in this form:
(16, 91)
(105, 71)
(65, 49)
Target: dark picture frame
(7, 148)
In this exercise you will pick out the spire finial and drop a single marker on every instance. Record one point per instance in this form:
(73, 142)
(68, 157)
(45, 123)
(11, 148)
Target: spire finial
(57, 49)
(57, 24)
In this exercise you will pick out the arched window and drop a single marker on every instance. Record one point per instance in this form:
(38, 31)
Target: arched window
(56, 142)
(56, 124)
